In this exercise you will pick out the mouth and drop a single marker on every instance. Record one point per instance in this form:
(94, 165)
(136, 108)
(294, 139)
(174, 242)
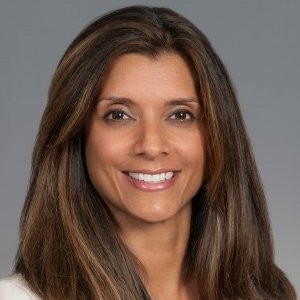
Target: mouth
(152, 180)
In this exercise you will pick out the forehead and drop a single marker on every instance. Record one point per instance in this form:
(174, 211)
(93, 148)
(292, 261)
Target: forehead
(133, 74)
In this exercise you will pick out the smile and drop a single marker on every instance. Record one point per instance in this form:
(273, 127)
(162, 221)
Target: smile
(149, 181)
(156, 178)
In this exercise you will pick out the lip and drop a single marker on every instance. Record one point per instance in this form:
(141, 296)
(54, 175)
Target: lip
(151, 187)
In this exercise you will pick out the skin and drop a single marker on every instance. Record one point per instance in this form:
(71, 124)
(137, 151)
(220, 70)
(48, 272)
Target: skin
(149, 118)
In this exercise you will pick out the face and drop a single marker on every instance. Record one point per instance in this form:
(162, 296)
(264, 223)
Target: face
(145, 140)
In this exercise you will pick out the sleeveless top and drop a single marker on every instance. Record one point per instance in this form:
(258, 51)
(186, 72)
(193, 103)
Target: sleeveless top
(16, 288)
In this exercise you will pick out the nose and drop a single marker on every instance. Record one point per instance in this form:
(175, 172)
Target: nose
(151, 141)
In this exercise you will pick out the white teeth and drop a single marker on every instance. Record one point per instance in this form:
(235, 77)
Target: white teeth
(169, 175)
(147, 177)
(156, 178)
(152, 178)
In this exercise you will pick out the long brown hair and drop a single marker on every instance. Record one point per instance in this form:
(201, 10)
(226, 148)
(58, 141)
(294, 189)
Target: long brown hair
(69, 248)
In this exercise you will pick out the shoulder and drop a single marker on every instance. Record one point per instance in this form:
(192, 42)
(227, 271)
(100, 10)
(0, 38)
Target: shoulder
(15, 288)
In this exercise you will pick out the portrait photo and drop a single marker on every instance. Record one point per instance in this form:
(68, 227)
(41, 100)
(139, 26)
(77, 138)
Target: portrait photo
(149, 150)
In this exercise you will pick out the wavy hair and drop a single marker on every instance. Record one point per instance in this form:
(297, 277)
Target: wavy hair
(69, 247)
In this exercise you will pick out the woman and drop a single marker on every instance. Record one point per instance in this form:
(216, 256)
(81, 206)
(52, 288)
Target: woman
(143, 181)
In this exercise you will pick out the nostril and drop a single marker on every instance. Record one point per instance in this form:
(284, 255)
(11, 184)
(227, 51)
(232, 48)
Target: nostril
(151, 150)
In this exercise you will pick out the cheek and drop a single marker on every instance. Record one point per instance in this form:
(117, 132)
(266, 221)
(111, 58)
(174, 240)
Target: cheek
(192, 149)
(193, 153)
(102, 148)
(102, 157)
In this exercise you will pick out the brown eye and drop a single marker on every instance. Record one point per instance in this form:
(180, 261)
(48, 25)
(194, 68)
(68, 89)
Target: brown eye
(116, 115)
(182, 115)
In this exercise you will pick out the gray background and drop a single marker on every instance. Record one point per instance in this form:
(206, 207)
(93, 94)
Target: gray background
(259, 43)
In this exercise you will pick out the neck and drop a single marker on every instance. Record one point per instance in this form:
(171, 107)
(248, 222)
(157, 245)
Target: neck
(161, 247)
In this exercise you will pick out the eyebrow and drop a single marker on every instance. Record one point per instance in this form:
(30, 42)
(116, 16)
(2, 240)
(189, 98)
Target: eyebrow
(128, 101)
(117, 100)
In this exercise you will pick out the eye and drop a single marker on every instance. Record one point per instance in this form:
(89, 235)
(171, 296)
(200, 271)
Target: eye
(116, 115)
(182, 115)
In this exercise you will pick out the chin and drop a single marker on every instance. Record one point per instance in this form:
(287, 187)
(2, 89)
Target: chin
(152, 215)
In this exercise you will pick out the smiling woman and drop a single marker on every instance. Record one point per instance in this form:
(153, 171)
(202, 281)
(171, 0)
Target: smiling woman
(152, 139)
(143, 181)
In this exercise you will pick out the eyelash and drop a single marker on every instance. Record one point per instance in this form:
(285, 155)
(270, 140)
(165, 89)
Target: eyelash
(118, 115)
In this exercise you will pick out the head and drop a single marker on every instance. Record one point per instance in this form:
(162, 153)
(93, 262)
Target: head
(145, 141)
(150, 32)
(70, 225)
